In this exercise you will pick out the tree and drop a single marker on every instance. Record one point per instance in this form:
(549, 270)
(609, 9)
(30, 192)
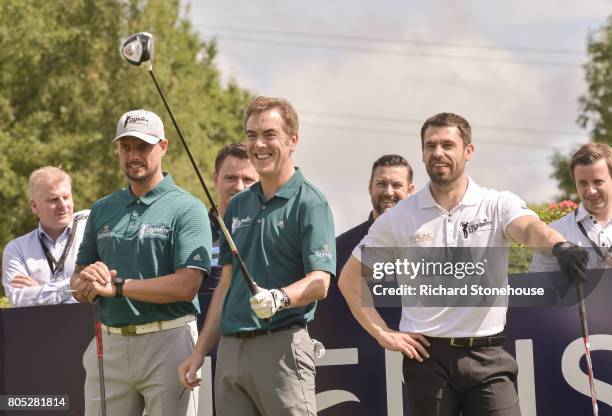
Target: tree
(595, 104)
(64, 86)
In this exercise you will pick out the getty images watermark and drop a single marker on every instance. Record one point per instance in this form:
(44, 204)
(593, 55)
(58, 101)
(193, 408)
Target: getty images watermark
(461, 276)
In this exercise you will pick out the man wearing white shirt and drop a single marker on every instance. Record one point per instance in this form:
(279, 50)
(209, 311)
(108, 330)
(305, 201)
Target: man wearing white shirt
(37, 266)
(453, 359)
(590, 225)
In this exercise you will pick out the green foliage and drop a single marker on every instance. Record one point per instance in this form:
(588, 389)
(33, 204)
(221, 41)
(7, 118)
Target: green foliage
(64, 86)
(596, 103)
(4, 303)
(520, 255)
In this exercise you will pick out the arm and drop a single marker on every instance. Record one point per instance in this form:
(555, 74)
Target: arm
(350, 284)
(209, 334)
(309, 289)
(180, 286)
(533, 232)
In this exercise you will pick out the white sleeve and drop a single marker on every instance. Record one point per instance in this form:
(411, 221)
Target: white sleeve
(380, 234)
(510, 208)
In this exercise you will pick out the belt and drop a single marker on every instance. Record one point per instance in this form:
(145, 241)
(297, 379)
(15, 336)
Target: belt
(149, 326)
(473, 342)
(258, 332)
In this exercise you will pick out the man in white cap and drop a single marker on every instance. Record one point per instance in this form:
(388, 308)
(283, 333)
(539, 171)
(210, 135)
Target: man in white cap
(145, 251)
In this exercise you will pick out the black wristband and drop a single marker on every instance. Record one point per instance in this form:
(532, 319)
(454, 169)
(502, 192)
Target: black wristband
(118, 283)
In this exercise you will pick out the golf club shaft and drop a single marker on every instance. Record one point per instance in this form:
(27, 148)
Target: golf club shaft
(100, 353)
(587, 346)
(241, 265)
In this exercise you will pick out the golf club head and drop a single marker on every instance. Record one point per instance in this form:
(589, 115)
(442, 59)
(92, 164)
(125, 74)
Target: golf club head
(138, 49)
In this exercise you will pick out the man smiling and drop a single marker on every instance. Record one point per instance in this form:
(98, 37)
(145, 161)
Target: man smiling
(590, 225)
(390, 182)
(283, 229)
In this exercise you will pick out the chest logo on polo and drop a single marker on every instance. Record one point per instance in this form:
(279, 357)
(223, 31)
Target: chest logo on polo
(470, 228)
(323, 252)
(239, 223)
(106, 233)
(420, 238)
(147, 230)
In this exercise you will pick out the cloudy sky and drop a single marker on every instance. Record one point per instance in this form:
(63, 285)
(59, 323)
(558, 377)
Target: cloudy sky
(364, 75)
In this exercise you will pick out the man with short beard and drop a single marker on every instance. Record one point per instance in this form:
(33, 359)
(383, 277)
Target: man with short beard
(390, 182)
(145, 251)
(453, 359)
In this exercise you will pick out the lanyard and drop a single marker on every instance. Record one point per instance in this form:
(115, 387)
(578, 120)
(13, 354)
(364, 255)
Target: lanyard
(595, 246)
(57, 266)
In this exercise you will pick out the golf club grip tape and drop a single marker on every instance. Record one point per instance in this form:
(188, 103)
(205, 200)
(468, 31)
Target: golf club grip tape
(99, 349)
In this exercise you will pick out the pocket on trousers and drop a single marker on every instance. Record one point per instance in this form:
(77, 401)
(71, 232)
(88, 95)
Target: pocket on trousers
(303, 351)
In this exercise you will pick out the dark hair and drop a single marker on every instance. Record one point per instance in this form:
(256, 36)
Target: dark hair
(233, 149)
(286, 110)
(392, 160)
(449, 120)
(590, 153)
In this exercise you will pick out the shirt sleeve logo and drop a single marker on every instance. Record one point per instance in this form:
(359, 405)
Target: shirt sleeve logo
(323, 252)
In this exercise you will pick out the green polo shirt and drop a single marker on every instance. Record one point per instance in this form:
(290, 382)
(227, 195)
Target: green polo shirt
(164, 230)
(280, 240)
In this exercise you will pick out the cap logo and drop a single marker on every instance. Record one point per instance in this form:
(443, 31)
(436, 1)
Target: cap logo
(135, 120)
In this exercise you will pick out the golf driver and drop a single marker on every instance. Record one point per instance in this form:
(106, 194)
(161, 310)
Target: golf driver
(138, 49)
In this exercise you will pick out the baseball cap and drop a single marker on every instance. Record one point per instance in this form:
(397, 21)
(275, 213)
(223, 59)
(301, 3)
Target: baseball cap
(143, 124)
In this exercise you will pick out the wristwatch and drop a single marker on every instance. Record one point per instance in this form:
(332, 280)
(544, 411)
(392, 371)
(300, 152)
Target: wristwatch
(286, 301)
(118, 283)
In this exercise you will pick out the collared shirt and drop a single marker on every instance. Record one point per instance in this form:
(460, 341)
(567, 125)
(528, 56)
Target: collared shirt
(24, 256)
(479, 220)
(567, 226)
(154, 235)
(348, 240)
(280, 240)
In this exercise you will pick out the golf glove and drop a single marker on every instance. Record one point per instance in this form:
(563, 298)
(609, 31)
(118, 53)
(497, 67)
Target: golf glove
(572, 260)
(265, 303)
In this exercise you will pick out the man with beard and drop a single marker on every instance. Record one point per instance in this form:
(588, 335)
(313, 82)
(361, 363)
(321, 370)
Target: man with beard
(590, 225)
(144, 253)
(453, 359)
(390, 182)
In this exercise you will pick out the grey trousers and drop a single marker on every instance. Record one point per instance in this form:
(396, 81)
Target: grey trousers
(268, 375)
(140, 373)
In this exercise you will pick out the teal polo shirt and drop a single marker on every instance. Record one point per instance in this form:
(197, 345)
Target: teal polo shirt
(164, 230)
(280, 240)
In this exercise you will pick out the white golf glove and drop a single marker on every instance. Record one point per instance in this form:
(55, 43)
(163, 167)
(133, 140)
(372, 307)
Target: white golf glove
(265, 303)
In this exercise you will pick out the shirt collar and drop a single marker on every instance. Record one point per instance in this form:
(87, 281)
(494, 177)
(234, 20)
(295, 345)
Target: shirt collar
(471, 196)
(43, 233)
(287, 190)
(153, 195)
(581, 213)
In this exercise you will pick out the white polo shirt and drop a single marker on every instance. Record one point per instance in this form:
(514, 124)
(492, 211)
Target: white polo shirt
(567, 226)
(419, 221)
